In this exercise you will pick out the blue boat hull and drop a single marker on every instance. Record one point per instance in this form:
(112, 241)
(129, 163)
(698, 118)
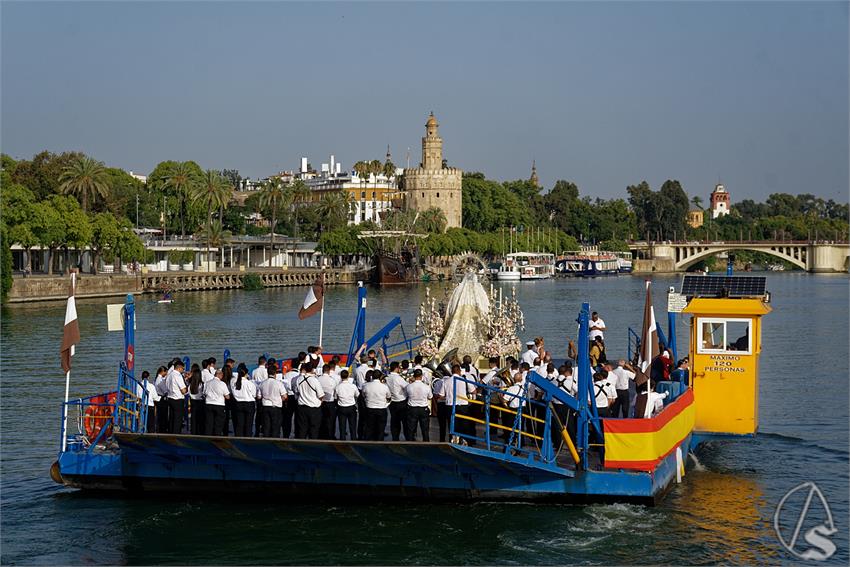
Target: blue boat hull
(346, 469)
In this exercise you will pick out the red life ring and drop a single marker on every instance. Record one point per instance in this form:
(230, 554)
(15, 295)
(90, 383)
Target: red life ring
(97, 416)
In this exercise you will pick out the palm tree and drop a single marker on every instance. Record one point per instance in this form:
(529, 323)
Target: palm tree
(273, 196)
(213, 192)
(84, 177)
(376, 167)
(333, 209)
(388, 169)
(432, 220)
(299, 193)
(361, 168)
(215, 235)
(181, 181)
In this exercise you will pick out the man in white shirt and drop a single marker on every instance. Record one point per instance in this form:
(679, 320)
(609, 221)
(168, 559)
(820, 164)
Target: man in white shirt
(291, 404)
(654, 400)
(622, 375)
(366, 366)
(596, 326)
(376, 396)
(346, 395)
(176, 389)
(513, 399)
(426, 372)
(208, 373)
(148, 387)
(604, 393)
(360, 372)
(443, 411)
(398, 402)
(328, 381)
(455, 390)
(273, 394)
(258, 376)
(162, 421)
(310, 394)
(418, 403)
(493, 363)
(315, 356)
(530, 354)
(215, 394)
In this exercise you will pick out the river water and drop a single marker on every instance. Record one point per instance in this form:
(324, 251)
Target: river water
(722, 513)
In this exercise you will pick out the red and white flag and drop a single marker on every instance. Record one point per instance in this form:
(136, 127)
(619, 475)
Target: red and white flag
(648, 343)
(649, 334)
(71, 334)
(315, 299)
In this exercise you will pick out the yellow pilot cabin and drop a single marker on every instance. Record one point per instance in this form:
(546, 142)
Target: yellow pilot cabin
(724, 352)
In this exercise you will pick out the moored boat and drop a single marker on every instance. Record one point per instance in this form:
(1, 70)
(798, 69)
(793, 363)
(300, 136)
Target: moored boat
(527, 266)
(588, 265)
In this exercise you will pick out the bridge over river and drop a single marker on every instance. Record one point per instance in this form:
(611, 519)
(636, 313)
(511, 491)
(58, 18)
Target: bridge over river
(813, 256)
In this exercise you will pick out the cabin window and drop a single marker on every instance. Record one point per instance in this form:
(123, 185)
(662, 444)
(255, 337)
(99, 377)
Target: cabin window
(724, 335)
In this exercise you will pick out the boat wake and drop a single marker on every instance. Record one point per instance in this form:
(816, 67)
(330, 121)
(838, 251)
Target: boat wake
(698, 466)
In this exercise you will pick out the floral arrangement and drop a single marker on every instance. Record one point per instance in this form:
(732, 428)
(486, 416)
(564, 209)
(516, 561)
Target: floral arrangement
(503, 322)
(431, 322)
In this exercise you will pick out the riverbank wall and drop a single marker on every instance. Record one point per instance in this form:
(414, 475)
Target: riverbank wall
(55, 288)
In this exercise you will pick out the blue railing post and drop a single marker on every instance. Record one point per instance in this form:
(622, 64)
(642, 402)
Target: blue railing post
(454, 407)
(358, 336)
(585, 385)
(487, 418)
(130, 334)
(671, 332)
(547, 451)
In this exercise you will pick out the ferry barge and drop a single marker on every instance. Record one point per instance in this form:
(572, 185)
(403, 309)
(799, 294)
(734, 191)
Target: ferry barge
(638, 460)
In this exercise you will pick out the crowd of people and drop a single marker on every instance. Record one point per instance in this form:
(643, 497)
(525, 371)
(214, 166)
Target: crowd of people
(316, 397)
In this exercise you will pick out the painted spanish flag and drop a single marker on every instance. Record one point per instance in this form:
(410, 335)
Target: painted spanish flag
(642, 443)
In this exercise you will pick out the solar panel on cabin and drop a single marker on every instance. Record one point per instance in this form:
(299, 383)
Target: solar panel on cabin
(719, 286)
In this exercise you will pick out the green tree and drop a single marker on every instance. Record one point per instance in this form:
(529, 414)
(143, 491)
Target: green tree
(5, 264)
(216, 237)
(388, 169)
(431, 220)
(105, 235)
(129, 246)
(273, 196)
(300, 192)
(211, 192)
(121, 196)
(41, 174)
(181, 181)
(77, 226)
(85, 178)
(21, 215)
(333, 210)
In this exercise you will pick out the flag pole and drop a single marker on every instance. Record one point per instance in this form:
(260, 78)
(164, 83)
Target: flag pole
(322, 312)
(321, 321)
(68, 379)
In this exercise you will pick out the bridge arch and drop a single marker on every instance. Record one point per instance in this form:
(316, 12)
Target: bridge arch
(779, 251)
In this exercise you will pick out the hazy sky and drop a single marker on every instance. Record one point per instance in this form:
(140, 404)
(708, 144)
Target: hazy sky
(604, 94)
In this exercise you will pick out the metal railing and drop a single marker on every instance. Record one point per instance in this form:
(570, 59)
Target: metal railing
(96, 417)
(525, 425)
(131, 403)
